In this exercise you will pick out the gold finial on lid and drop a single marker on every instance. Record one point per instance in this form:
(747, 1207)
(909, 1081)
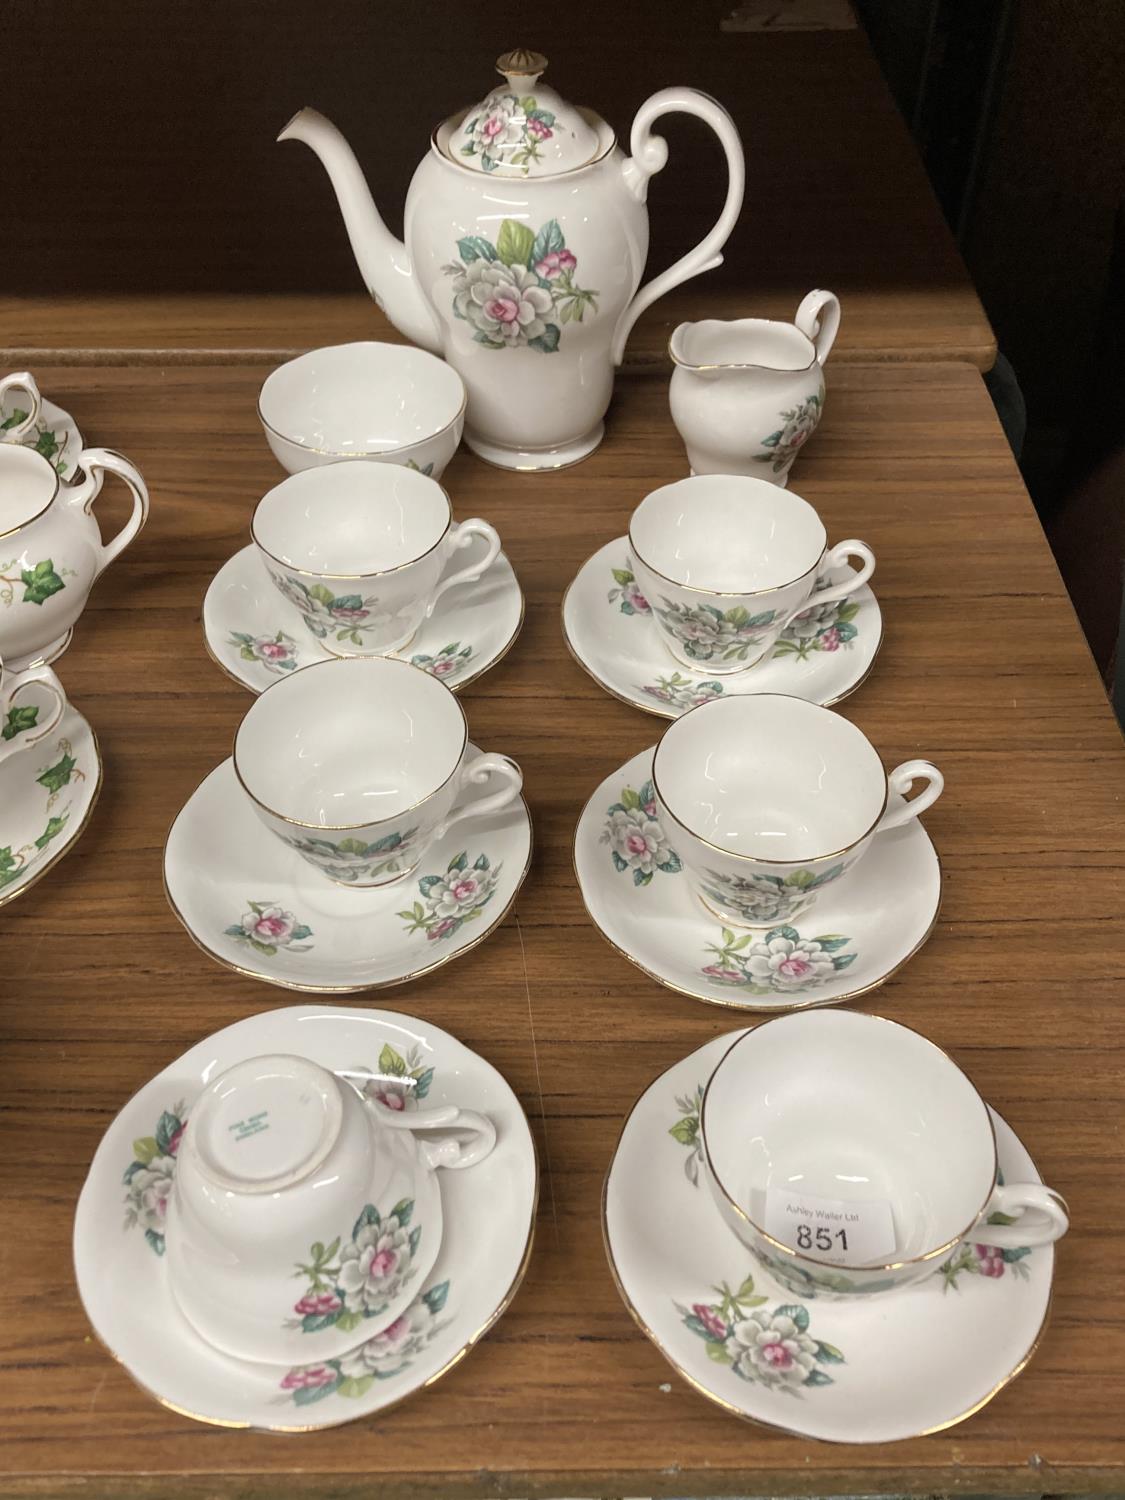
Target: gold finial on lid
(520, 63)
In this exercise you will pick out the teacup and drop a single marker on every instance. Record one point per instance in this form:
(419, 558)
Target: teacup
(305, 1216)
(853, 1157)
(767, 799)
(387, 403)
(11, 430)
(361, 764)
(41, 706)
(360, 550)
(726, 562)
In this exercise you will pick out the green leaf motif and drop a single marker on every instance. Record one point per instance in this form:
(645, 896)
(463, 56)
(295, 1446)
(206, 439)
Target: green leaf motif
(794, 1310)
(40, 582)
(18, 416)
(346, 1321)
(20, 718)
(355, 1385)
(145, 1149)
(818, 1377)
(828, 1354)
(685, 1131)
(54, 827)
(514, 243)
(718, 1352)
(391, 1061)
(476, 247)
(548, 340)
(435, 1297)
(550, 237)
(622, 576)
(305, 1395)
(369, 1214)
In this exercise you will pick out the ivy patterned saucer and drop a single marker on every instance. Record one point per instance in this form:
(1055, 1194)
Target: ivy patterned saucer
(853, 936)
(261, 909)
(55, 434)
(47, 794)
(847, 1370)
(608, 626)
(119, 1228)
(257, 637)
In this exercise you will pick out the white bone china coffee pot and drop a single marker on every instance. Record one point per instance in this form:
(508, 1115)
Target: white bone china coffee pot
(526, 235)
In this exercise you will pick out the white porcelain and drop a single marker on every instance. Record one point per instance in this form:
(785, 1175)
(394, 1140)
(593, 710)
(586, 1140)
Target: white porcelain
(859, 1110)
(257, 636)
(858, 933)
(28, 418)
(526, 235)
(387, 403)
(119, 1229)
(727, 563)
(258, 908)
(286, 1173)
(51, 550)
(32, 703)
(852, 1370)
(362, 551)
(360, 765)
(824, 654)
(769, 799)
(46, 798)
(747, 394)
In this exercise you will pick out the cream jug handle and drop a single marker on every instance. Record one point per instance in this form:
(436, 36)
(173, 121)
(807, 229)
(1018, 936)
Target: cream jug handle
(96, 463)
(818, 318)
(23, 381)
(650, 154)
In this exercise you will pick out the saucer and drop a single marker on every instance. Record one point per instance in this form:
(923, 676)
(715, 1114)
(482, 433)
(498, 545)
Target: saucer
(608, 626)
(56, 785)
(257, 636)
(857, 1370)
(853, 937)
(55, 435)
(119, 1239)
(260, 909)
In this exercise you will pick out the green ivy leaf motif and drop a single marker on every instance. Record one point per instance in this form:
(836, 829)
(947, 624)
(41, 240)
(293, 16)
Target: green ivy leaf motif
(20, 719)
(54, 827)
(55, 777)
(40, 582)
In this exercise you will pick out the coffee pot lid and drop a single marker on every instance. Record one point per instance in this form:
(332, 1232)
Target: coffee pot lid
(524, 128)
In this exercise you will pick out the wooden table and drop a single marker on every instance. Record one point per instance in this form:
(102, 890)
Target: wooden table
(983, 669)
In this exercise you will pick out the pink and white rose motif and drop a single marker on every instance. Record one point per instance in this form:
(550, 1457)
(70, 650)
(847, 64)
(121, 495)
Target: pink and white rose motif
(556, 263)
(771, 1349)
(373, 1266)
(272, 925)
(506, 304)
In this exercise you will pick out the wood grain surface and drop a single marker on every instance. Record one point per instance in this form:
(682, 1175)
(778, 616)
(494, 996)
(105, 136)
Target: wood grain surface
(929, 319)
(983, 669)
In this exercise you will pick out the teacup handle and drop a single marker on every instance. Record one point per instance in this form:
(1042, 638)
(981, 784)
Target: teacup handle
(478, 772)
(12, 737)
(23, 381)
(449, 1151)
(818, 318)
(1017, 1200)
(837, 558)
(96, 463)
(900, 781)
(462, 536)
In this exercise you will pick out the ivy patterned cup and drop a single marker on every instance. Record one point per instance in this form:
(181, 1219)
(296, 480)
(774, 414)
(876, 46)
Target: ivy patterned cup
(360, 764)
(31, 704)
(727, 562)
(767, 799)
(360, 550)
(833, 1106)
(304, 1215)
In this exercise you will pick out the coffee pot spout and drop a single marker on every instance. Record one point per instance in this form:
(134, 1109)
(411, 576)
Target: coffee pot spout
(383, 261)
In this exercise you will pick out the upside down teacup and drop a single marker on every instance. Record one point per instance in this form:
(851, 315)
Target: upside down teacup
(361, 763)
(767, 799)
(726, 562)
(852, 1156)
(304, 1215)
(360, 549)
(31, 704)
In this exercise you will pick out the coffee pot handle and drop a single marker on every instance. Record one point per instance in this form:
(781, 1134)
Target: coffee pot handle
(818, 318)
(22, 381)
(650, 155)
(96, 463)
(449, 1151)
